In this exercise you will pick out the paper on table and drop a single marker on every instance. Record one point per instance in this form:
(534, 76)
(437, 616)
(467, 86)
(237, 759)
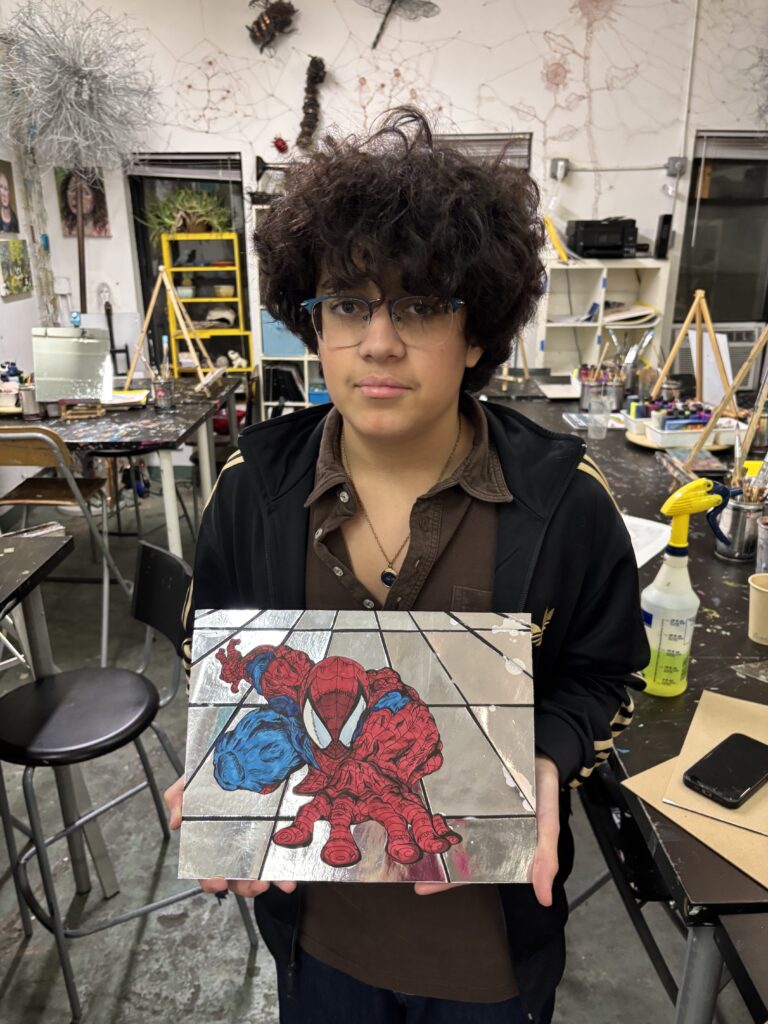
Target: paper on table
(717, 716)
(745, 850)
(570, 390)
(648, 537)
(711, 386)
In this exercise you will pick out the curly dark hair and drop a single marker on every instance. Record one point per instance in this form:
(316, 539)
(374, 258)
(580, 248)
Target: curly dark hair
(92, 179)
(454, 225)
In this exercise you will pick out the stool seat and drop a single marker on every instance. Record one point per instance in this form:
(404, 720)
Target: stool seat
(75, 716)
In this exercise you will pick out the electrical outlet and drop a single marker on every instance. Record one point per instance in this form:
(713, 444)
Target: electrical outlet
(675, 166)
(558, 168)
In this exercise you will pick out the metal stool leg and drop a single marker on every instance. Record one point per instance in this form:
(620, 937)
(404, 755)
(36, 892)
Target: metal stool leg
(168, 748)
(38, 838)
(10, 840)
(116, 493)
(104, 584)
(247, 916)
(152, 783)
(132, 478)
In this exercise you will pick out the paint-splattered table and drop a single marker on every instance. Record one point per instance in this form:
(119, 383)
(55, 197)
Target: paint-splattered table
(702, 885)
(147, 430)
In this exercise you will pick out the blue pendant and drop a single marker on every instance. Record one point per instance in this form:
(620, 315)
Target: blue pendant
(388, 577)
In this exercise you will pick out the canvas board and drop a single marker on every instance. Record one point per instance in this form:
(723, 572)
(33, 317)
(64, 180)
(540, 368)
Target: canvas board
(359, 746)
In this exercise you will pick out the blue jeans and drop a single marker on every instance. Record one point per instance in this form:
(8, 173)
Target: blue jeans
(323, 995)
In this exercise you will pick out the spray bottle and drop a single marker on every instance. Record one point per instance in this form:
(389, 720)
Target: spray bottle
(670, 604)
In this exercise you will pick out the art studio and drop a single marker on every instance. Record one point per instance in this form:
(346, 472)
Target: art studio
(384, 512)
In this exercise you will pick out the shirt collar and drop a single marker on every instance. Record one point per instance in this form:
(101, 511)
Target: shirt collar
(480, 474)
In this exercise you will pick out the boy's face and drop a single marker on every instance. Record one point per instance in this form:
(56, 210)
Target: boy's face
(384, 387)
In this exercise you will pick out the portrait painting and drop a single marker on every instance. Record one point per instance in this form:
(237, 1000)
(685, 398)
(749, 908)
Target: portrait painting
(15, 270)
(9, 216)
(359, 746)
(94, 202)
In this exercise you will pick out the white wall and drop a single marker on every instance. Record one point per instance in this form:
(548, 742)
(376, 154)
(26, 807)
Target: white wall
(605, 83)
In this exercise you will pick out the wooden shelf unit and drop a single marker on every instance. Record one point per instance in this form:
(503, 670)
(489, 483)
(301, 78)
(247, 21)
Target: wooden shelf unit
(172, 246)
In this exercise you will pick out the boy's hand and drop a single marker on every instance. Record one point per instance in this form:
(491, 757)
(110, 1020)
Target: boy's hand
(174, 796)
(544, 866)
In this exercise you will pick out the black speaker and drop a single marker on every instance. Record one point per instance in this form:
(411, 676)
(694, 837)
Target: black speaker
(664, 230)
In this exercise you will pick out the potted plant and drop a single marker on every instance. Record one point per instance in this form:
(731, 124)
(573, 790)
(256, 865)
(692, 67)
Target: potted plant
(186, 211)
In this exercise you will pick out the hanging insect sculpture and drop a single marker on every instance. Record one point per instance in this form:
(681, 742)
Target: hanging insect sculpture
(275, 19)
(311, 105)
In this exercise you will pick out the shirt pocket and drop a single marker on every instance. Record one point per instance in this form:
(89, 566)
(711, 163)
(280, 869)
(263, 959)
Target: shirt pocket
(470, 599)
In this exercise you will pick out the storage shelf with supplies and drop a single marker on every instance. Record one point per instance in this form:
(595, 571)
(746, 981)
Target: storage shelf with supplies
(222, 325)
(586, 300)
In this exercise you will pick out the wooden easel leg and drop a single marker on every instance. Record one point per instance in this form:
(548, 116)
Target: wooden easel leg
(676, 347)
(139, 353)
(757, 348)
(699, 351)
(717, 353)
(524, 357)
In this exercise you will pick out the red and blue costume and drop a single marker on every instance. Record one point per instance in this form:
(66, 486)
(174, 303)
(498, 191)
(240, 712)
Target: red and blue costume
(366, 738)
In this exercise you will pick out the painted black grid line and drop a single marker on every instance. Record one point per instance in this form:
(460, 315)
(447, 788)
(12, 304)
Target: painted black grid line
(437, 657)
(475, 704)
(290, 817)
(488, 644)
(230, 637)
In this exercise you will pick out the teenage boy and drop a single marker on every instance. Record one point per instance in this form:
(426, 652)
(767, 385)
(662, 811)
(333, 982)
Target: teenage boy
(408, 267)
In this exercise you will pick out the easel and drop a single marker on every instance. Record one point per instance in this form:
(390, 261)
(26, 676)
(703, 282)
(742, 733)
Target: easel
(700, 311)
(188, 331)
(730, 392)
(508, 377)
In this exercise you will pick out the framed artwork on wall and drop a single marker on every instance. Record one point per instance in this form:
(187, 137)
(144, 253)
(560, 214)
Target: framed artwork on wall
(9, 218)
(95, 215)
(15, 271)
(360, 746)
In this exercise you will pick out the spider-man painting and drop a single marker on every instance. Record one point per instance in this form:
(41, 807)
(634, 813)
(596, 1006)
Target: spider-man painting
(366, 738)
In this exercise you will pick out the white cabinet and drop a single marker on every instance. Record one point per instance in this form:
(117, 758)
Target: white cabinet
(570, 322)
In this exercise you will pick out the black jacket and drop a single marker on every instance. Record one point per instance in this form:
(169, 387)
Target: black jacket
(563, 554)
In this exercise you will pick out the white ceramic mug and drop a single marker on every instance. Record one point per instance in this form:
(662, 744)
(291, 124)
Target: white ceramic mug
(757, 629)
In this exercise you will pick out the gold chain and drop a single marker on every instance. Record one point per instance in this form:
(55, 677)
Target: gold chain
(391, 561)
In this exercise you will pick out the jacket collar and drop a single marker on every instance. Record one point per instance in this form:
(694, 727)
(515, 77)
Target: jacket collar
(282, 455)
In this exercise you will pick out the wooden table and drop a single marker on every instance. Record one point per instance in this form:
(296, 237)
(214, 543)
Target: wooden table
(704, 886)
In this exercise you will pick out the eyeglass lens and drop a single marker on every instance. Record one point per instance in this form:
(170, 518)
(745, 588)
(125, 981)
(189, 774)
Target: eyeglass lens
(342, 322)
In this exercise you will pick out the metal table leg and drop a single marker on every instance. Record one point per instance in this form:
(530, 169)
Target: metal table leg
(170, 504)
(73, 794)
(207, 462)
(701, 976)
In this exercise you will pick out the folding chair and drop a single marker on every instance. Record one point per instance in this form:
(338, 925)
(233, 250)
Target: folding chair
(78, 716)
(41, 447)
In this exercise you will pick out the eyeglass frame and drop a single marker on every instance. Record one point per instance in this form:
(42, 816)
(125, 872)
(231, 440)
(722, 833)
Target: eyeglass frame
(373, 304)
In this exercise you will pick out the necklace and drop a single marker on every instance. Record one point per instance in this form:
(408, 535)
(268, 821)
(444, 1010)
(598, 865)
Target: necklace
(388, 574)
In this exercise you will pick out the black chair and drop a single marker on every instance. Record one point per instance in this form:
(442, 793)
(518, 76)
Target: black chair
(78, 716)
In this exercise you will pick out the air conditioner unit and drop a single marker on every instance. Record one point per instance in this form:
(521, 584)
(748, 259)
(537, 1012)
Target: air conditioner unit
(741, 338)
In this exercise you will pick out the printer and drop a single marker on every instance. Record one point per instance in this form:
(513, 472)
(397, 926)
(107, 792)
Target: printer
(612, 238)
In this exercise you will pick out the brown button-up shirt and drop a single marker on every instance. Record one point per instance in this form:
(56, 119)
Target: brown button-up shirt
(451, 945)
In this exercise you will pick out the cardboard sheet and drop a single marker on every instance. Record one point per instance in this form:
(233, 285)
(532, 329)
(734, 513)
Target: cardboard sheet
(747, 851)
(717, 716)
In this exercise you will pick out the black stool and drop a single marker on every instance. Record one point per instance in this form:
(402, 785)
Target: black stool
(80, 715)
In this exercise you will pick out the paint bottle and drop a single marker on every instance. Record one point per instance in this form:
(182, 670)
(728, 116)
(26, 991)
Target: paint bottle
(670, 604)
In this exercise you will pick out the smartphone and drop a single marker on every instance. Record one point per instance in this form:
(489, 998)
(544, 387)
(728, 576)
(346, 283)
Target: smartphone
(732, 771)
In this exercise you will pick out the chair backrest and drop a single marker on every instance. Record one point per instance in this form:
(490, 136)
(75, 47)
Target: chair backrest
(159, 590)
(32, 446)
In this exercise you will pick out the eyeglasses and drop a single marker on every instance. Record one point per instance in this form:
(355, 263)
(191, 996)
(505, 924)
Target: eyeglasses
(342, 321)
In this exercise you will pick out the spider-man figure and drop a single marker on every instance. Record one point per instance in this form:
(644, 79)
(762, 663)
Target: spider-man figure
(366, 738)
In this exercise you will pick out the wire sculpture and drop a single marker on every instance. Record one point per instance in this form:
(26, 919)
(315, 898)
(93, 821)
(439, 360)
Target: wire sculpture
(75, 85)
(311, 106)
(411, 10)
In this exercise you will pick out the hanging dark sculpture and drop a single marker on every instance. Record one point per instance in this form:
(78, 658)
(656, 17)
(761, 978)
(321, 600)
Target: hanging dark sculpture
(412, 10)
(275, 19)
(311, 106)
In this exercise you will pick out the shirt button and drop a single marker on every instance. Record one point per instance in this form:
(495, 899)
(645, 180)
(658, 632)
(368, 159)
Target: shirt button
(343, 497)
(367, 603)
(318, 533)
(338, 571)
(398, 600)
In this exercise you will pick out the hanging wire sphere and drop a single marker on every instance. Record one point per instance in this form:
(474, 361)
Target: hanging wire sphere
(75, 85)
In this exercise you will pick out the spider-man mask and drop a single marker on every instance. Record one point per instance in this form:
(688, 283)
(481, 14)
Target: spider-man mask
(334, 701)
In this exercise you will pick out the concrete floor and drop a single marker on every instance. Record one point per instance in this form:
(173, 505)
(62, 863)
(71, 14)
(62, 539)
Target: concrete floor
(191, 962)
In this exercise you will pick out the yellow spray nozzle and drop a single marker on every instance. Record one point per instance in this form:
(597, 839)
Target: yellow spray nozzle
(692, 497)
